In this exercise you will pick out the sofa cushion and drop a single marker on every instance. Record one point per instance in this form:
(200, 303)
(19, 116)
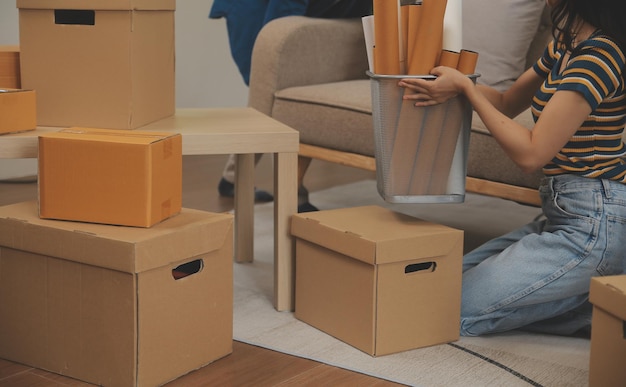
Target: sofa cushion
(331, 115)
(501, 32)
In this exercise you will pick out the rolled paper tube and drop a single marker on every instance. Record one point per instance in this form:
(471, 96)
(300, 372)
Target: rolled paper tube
(368, 32)
(450, 130)
(429, 39)
(426, 151)
(406, 142)
(414, 21)
(386, 37)
(449, 58)
(404, 34)
(453, 26)
(467, 62)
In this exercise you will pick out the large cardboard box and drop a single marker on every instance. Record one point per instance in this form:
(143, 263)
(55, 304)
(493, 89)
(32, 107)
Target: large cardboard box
(378, 280)
(103, 303)
(18, 110)
(119, 177)
(607, 364)
(10, 67)
(98, 63)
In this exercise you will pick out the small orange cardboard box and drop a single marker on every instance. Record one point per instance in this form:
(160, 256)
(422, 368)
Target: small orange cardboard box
(18, 110)
(379, 280)
(118, 177)
(10, 67)
(607, 364)
(99, 63)
(115, 306)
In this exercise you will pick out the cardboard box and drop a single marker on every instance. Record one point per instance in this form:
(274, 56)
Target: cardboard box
(18, 110)
(119, 177)
(99, 63)
(102, 303)
(608, 331)
(378, 280)
(10, 67)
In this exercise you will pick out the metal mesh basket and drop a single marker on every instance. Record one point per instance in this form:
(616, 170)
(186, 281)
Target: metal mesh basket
(421, 152)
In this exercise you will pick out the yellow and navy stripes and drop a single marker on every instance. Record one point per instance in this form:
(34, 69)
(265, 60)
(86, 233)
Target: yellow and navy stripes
(594, 69)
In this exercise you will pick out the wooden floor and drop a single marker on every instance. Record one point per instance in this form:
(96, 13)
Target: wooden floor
(247, 365)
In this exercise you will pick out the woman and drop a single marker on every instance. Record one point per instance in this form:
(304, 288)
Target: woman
(537, 278)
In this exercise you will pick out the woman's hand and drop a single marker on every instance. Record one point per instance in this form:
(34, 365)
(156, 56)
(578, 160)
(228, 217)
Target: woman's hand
(426, 92)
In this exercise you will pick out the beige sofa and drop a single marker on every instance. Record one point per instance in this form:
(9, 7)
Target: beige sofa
(311, 75)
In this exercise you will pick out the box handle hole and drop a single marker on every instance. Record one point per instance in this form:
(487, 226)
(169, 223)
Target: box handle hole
(75, 17)
(187, 269)
(424, 266)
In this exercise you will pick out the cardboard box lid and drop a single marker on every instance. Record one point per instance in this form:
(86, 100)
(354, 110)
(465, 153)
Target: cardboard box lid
(128, 249)
(375, 235)
(108, 5)
(609, 293)
(108, 135)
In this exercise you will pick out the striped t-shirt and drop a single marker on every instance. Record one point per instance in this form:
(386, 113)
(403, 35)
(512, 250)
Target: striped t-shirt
(595, 70)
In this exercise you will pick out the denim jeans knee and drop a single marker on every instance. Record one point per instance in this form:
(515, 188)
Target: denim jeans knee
(543, 270)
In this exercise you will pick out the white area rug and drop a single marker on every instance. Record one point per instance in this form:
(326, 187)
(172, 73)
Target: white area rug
(512, 359)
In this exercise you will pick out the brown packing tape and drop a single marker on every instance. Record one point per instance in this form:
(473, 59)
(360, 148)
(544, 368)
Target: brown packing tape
(386, 37)
(467, 62)
(429, 38)
(449, 58)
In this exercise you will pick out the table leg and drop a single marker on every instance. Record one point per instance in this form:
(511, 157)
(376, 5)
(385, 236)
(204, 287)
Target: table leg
(244, 208)
(285, 205)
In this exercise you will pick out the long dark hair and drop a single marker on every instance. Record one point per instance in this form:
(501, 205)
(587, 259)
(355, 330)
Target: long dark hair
(607, 15)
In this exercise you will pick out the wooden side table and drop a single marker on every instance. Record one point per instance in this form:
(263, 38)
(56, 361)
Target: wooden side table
(239, 131)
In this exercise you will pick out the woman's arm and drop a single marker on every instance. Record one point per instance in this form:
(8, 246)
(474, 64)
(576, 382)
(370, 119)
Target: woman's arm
(530, 150)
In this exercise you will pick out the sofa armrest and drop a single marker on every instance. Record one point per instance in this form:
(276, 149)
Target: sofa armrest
(299, 51)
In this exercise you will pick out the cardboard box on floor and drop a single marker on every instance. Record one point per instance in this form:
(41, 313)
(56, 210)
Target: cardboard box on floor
(10, 67)
(99, 63)
(378, 280)
(18, 110)
(119, 177)
(607, 364)
(102, 303)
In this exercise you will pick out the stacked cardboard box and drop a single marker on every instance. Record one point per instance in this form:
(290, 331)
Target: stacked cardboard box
(120, 177)
(608, 334)
(10, 67)
(115, 306)
(106, 278)
(103, 63)
(18, 110)
(378, 280)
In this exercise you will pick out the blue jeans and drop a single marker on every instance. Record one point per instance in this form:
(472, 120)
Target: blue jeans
(537, 277)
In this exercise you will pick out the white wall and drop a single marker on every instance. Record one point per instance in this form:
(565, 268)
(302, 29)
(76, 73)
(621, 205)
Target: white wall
(206, 75)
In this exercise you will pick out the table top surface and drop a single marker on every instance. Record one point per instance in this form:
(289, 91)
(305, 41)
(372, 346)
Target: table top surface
(205, 131)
